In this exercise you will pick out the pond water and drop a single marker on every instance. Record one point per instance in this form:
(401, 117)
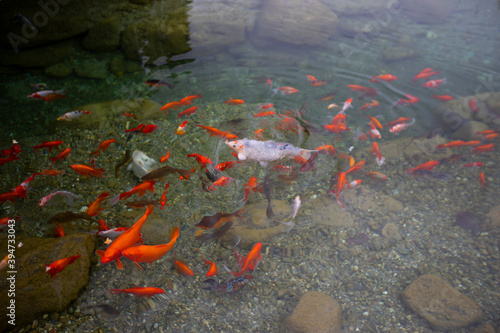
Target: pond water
(299, 72)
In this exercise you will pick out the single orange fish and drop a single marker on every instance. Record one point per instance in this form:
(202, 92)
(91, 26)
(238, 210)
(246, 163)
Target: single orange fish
(376, 175)
(264, 114)
(189, 99)
(326, 149)
(222, 181)
(85, 170)
(234, 101)
(103, 146)
(182, 267)
(427, 166)
(375, 121)
(266, 106)
(128, 239)
(286, 90)
(356, 167)
(188, 112)
(150, 253)
(371, 105)
(253, 258)
(452, 144)
(483, 148)
(49, 172)
(60, 156)
(424, 74)
(213, 267)
(139, 189)
(226, 165)
(139, 291)
(59, 265)
(215, 132)
(251, 185)
(443, 98)
(482, 180)
(365, 90)
(49, 145)
(379, 158)
(203, 160)
(95, 207)
(166, 157)
(172, 105)
(59, 231)
(400, 120)
(318, 83)
(129, 115)
(385, 77)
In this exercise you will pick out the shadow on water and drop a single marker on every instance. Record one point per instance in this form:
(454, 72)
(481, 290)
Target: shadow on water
(124, 59)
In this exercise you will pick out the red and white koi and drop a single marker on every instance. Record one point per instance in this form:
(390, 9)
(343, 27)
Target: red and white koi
(434, 83)
(48, 95)
(396, 129)
(69, 198)
(379, 158)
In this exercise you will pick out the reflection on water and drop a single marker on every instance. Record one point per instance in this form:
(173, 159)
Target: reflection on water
(403, 219)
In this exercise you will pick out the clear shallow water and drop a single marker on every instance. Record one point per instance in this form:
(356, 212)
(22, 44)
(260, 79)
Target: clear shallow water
(464, 47)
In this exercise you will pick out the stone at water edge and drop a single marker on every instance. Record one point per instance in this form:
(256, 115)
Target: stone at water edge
(442, 306)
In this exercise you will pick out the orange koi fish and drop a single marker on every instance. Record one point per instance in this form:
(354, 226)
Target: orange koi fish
(181, 130)
(128, 239)
(398, 121)
(172, 105)
(376, 175)
(375, 150)
(427, 166)
(234, 101)
(483, 148)
(264, 114)
(60, 156)
(150, 253)
(58, 231)
(10, 196)
(140, 189)
(410, 100)
(59, 265)
(318, 83)
(11, 158)
(95, 207)
(49, 145)
(443, 98)
(139, 291)
(103, 146)
(163, 199)
(434, 83)
(253, 258)
(222, 181)
(259, 134)
(286, 90)
(188, 112)
(226, 165)
(326, 149)
(215, 132)
(165, 158)
(452, 144)
(189, 99)
(375, 121)
(85, 170)
(213, 267)
(490, 136)
(49, 172)
(251, 185)
(266, 106)
(385, 77)
(356, 167)
(366, 91)
(182, 267)
(424, 74)
(482, 180)
(203, 160)
(371, 105)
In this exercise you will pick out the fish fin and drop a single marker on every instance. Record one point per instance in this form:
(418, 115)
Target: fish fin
(138, 264)
(242, 157)
(100, 253)
(288, 225)
(119, 264)
(113, 201)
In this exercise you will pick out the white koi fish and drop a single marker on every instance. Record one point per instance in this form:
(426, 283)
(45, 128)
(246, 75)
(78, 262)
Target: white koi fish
(266, 151)
(69, 116)
(142, 164)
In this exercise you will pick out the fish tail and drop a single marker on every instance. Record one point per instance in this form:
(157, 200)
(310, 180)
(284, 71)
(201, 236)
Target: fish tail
(210, 284)
(113, 201)
(288, 225)
(116, 291)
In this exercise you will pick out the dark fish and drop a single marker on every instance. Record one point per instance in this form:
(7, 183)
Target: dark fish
(218, 233)
(420, 175)
(212, 173)
(163, 171)
(288, 178)
(143, 203)
(359, 239)
(229, 286)
(106, 308)
(309, 164)
(69, 216)
(452, 158)
(126, 158)
(467, 221)
(158, 83)
(266, 189)
(209, 222)
(205, 184)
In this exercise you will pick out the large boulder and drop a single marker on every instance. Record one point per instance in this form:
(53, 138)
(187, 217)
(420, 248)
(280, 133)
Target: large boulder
(104, 36)
(298, 22)
(150, 39)
(316, 312)
(441, 305)
(44, 56)
(36, 293)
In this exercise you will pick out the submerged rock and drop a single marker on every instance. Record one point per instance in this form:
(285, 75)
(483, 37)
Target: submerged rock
(36, 293)
(316, 312)
(429, 11)
(104, 36)
(444, 307)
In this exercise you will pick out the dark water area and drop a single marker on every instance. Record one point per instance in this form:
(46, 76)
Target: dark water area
(399, 237)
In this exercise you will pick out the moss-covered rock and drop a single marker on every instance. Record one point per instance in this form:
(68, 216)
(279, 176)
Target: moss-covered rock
(35, 292)
(104, 36)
